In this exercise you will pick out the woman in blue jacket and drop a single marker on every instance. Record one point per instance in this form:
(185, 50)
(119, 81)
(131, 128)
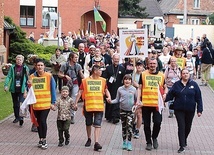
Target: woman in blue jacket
(187, 96)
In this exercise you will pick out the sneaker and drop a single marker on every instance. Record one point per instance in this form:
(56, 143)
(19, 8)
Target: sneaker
(129, 146)
(136, 134)
(15, 120)
(39, 144)
(44, 145)
(88, 143)
(170, 115)
(21, 122)
(149, 147)
(124, 147)
(205, 84)
(34, 128)
(60, 144)
(72, 120)
(181, 149)
(155, 143)
(97, 146)
(67, 141)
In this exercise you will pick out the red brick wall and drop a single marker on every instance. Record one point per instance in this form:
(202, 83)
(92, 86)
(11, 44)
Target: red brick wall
(71, 13)
(205, 5)
(1, 21)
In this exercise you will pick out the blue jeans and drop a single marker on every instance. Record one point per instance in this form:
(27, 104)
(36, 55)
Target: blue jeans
(93, 117)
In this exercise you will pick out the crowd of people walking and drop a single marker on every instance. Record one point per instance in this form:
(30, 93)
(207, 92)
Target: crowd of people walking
(131, 90)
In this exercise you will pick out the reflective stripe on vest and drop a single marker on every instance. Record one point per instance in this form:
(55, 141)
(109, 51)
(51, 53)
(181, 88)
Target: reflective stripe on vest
(93, 91)
(41, 86)
(150, 84)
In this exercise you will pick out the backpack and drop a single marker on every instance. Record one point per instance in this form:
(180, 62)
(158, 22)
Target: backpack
(70, 83)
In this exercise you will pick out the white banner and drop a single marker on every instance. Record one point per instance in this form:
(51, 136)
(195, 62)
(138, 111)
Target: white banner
(133, 43)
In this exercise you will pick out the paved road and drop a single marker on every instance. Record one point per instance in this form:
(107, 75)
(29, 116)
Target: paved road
(21, 141)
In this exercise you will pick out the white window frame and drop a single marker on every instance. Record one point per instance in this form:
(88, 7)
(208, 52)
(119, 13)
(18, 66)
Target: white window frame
(195, 21)
(197, 4)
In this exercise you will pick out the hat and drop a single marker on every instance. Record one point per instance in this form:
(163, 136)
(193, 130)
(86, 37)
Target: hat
(139, 62)
(65, 88)
(178, 48)
(189, 52)
(97, 59)
(92, 46)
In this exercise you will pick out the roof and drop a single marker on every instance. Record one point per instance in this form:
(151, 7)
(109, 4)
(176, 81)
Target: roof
(169, 7)
(152, 8)
(8, 26)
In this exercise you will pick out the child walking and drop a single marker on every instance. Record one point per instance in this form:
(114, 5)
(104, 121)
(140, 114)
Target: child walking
(64, 104)
(126, 97)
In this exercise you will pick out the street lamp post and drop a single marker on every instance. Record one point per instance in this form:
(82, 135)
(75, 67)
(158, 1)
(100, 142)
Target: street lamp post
(185, 12)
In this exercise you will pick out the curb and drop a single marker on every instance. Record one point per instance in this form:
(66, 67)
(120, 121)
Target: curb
(6, 118)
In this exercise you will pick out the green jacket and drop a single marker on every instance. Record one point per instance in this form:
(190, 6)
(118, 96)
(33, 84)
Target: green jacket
(10, 79)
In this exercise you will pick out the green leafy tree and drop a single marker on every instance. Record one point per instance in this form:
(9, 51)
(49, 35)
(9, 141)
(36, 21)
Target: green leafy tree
(131, 8)
(211, 18)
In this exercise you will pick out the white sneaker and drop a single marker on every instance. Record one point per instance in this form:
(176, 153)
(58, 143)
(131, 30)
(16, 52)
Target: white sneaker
(44, 145)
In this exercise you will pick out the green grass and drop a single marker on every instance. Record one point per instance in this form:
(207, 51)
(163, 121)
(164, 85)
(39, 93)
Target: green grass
(211, 83)
(6, 107)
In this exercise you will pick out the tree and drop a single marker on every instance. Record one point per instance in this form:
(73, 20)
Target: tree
(131, 8)
(211, 18)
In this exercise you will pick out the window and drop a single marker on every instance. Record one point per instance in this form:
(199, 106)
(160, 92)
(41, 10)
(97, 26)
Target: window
(196, 3)
(27, 15)
(181, 21)
(46, 22)
(195, 21)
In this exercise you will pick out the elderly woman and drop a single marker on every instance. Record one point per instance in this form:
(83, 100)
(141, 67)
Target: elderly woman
(172, 74)
(187, 96)
(17, 78)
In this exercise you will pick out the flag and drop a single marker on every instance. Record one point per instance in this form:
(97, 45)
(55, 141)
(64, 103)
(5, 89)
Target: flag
(99, 18)
(30, 99)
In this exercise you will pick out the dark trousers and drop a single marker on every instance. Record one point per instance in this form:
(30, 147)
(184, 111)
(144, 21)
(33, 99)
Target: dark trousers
(59, 81)
(147, 112)
(41, 116)
(63, 126)
(112, 111)
(184, 120)
(127, 124)
(17, 98)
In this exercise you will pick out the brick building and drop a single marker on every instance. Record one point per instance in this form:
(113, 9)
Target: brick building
(75, 14)
(197, 11)
(2, 47)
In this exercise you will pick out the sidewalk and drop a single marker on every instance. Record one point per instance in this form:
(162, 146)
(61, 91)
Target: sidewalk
(21, 141)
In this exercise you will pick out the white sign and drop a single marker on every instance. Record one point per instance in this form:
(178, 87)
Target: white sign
(133, 43)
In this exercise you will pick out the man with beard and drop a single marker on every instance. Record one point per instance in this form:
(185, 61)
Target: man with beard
(149, 83)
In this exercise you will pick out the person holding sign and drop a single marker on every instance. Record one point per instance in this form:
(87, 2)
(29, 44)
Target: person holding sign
(44, 87)
(150, 82)
(93, 90)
